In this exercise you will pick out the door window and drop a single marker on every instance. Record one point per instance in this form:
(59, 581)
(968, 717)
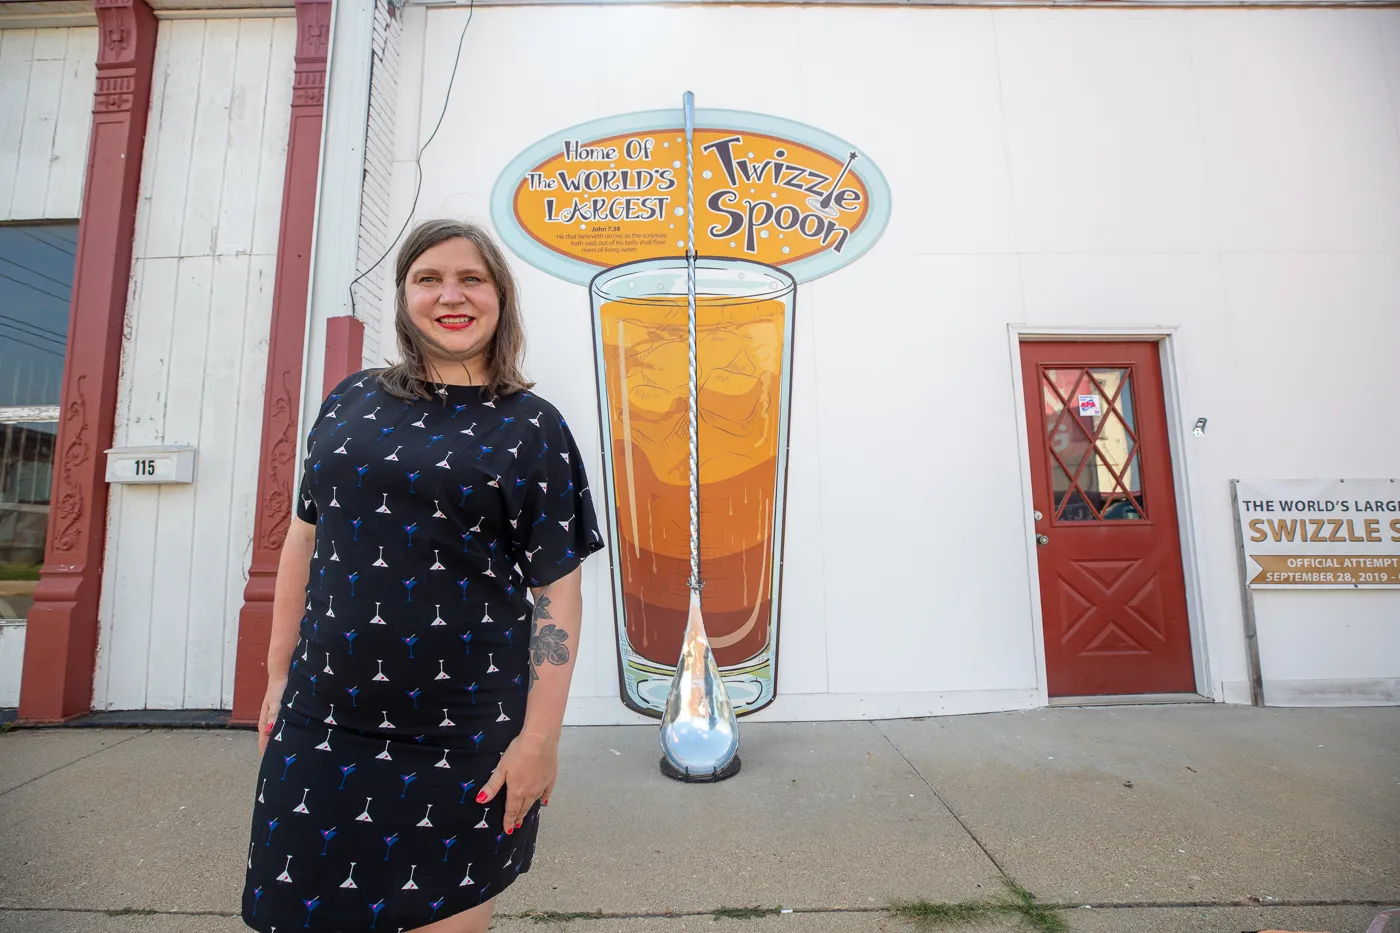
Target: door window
(36, 283)
(1092, 441)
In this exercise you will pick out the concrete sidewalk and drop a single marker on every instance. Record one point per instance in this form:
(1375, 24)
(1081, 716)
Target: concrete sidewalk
(1188, 818)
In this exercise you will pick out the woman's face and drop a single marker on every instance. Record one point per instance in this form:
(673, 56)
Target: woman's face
(452, 298)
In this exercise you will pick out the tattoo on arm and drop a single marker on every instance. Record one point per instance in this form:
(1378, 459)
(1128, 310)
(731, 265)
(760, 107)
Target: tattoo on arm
(547, 643)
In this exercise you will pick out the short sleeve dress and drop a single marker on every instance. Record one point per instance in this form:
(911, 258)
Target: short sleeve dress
(433, 519)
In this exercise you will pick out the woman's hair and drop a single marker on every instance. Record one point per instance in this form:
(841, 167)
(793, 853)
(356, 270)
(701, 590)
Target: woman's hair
(408, 379)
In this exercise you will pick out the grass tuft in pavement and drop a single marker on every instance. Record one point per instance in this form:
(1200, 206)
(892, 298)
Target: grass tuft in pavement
(1034, 914)
(1016, 903)
(960, 914)
(744, 913)
(559, 916)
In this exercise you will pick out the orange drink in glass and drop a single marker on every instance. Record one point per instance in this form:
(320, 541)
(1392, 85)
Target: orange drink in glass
(744, 317)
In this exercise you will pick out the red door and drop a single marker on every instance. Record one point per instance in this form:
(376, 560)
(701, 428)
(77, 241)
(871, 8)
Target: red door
(1112, 592)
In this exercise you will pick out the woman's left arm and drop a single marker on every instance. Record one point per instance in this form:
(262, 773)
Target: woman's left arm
(530, 764)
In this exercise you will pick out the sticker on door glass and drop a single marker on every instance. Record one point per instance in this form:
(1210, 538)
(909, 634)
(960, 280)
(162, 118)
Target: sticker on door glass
(1089, 406)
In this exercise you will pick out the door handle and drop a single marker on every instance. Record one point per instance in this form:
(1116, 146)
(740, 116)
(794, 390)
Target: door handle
(1042, 540)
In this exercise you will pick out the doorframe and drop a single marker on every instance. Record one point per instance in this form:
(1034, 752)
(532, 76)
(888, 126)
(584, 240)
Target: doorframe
(1190, 563)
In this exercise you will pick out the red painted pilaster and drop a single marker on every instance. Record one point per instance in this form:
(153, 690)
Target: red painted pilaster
(345, 350)
(61, 641)
(286, 345)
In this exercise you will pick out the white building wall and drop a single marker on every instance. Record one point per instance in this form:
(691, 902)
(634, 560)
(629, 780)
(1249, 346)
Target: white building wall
(1238, 179)
(1228, 177)
(46, 86)
(194, 360)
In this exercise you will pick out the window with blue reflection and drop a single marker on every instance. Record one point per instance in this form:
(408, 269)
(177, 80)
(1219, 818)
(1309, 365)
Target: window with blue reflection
(36, 282)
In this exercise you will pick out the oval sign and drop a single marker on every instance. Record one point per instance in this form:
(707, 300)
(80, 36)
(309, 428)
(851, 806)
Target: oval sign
(613, 191)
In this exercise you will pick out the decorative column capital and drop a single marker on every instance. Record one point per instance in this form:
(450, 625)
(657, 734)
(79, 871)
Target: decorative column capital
(313, 46)
(126, 38)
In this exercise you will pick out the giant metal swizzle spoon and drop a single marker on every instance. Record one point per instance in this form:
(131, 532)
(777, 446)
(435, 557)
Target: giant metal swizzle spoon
(699, 733)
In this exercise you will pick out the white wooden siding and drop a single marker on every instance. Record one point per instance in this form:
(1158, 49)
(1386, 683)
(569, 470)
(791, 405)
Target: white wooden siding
(46, 85)
(194, 360)
(378, 225)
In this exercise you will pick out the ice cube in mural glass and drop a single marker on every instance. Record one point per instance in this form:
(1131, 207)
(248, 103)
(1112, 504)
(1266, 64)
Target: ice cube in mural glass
(744, 316)
(36, 278)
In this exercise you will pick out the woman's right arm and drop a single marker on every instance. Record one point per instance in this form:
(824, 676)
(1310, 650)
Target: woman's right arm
(293, 572)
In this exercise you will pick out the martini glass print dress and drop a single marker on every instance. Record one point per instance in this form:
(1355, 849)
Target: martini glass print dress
(434, 518)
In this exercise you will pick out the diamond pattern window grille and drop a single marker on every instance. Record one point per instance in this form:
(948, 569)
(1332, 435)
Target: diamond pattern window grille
(1091, 437)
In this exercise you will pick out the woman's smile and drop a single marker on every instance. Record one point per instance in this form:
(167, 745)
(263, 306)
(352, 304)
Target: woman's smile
(455, 322)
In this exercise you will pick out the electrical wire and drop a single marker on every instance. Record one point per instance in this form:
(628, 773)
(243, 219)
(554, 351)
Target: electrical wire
(418, 162)
(34, 288)
(51, 245)
(32, 271)
(14, 339)
(34, 330)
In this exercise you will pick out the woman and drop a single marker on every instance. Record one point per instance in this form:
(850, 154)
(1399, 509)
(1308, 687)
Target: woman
(415, 694)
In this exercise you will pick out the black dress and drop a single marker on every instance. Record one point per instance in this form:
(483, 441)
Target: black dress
(410, 678)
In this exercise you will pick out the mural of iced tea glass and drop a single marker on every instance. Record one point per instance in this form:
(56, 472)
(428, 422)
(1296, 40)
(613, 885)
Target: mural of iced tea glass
(744, 319)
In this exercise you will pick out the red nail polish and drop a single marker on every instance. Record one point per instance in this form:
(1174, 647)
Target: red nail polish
(518, 825)
(481, 797)
(509, 830)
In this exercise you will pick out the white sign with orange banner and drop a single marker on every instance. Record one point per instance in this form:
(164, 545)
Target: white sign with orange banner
(1320, 533)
